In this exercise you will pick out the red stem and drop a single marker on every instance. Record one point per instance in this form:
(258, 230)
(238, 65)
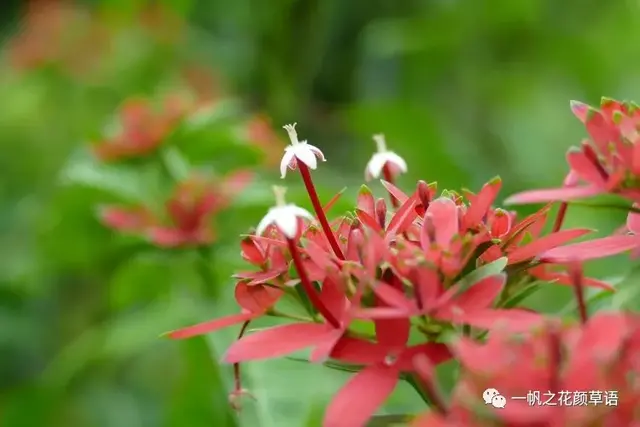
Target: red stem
(236, 366)
(317, 207)
(562, 212)
(386, 172)
(311, 292)
(577, 278)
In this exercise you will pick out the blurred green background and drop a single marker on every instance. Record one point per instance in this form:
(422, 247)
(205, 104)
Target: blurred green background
(462, 90)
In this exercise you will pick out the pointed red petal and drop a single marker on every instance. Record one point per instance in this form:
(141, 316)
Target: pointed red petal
(394, 191)
(275, 342)
(360, 397)
(168, 237)
(480, 203)
(324, 348)
(513, 320)
(553, 195)
(333, 201)
(365, 201)
(125, 219)
(393, 297)
(479, 296)
(251, 251)
(359, 352)
(210, 326)
(368, 220)
(392, 332)
(256, 298)
(333, 298)
(543, 244)
(403, 217)
(598, 248)
(584, 167)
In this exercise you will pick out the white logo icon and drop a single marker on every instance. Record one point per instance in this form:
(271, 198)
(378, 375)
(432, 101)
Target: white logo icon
(492, 397)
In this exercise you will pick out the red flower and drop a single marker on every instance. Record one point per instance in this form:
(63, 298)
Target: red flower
(559, 370)
(471, 306)
(189, 210)
(608, 163)
(384, 361)
(142, 129)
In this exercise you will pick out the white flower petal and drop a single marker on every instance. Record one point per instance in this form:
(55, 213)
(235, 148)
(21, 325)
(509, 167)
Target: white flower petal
(315, 150)
(286, 159)
(287, 222)
(392, 157)
(301, 213)
(375, 165)
(305, 155)
(266, 221)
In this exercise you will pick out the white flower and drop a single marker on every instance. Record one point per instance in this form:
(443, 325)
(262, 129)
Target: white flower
(298, 151)
(382, 158)
(284, 216)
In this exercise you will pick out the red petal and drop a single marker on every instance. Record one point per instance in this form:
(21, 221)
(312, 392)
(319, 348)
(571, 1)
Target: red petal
(365, 202)
(275, 342)
(513, 320)
(584, 167)
(323, 350)
(541, 273)
(236, 181)
(333, 201)
(257, 277)
(481, 203)
(361, 396)
(444, 215)
(580, 110)
(598, 248)
(393, 297)
(394, 191)
(368, 220)
(211, 325)
(392, 332)
(403, 217)
(168, 237)
(435, 352)
(256, 299)
(553, 195)
(333, 298)
(251, 251)
(479, 296)
(359, 352)
(125, 219)
(543, 244)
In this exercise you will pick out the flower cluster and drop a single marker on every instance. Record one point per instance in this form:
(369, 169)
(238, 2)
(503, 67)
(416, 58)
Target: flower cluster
(143, 134)
(393, 289)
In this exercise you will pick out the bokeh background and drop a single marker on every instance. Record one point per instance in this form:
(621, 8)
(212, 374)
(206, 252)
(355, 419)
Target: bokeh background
(462, 90)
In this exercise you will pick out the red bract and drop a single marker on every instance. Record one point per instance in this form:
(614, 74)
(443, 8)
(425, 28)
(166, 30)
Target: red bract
(608, 163)
(471, 306)
(384, 361)
(141, 129)
(188, 210)
(556, 361)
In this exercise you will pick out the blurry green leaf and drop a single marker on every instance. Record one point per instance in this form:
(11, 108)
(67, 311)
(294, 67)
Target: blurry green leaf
(483, 272)
(212, 115)
(523, 294)
(121, 337)
(118, 179)
(142, 278)
(177, 166)
(200, 399)
(398, 420)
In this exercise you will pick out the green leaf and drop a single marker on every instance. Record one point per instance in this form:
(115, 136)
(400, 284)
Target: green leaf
(141, 278)
(123, 182)
(176, 165)
(395, 420)
(201, 397)
(480, 273)
(523, 294)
